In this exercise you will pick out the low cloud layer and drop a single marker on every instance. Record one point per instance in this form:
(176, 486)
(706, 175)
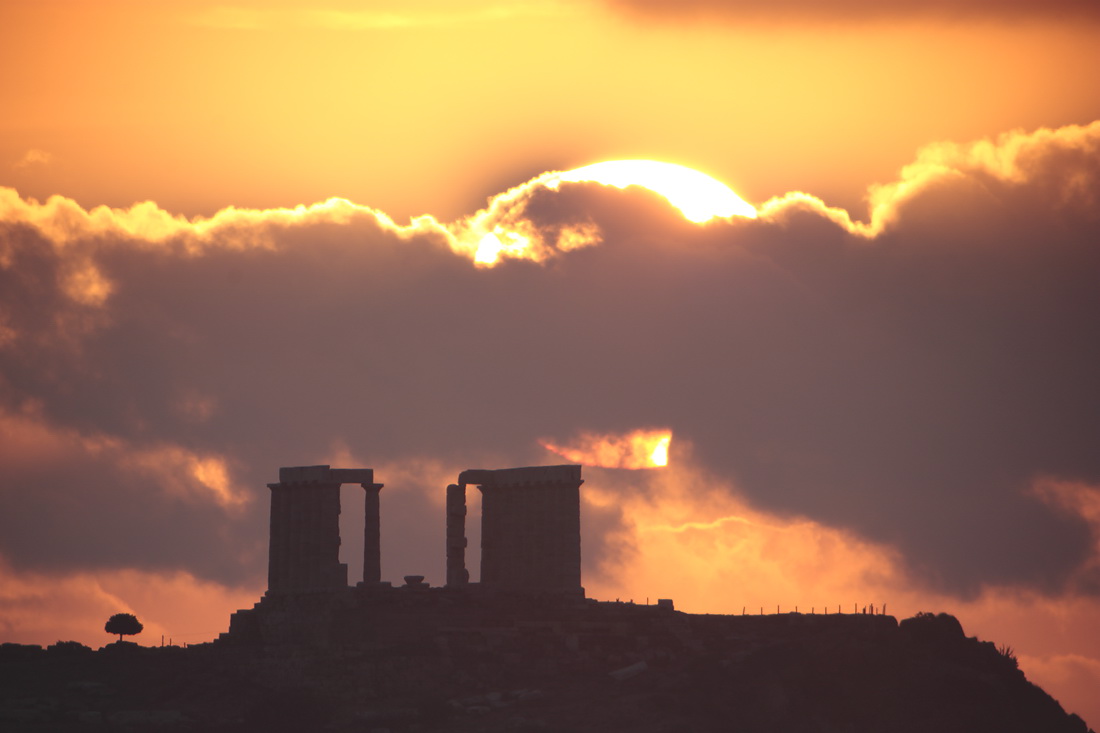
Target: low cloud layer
(914, 388)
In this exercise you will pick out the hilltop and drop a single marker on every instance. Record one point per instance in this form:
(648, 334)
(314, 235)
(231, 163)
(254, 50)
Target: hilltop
(436, 660)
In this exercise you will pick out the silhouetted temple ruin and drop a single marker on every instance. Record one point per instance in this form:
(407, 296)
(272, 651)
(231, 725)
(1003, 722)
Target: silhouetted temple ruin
(526, 615)
(530, 537)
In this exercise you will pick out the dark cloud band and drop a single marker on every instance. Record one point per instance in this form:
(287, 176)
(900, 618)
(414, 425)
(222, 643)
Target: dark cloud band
(909, 379)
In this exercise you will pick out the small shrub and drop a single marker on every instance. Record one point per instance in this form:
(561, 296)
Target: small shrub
(68, 647)
(1007, 652)
(932, 627)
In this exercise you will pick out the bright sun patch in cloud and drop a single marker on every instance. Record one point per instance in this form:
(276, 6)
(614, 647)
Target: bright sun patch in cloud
(636, 449)
(503, 229)
(698, 196)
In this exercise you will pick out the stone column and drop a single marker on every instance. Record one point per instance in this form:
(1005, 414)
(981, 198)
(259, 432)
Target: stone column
(372, 535)
(457, 574)
(277, 540)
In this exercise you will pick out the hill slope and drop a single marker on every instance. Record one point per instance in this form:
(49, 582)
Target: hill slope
(406, 664)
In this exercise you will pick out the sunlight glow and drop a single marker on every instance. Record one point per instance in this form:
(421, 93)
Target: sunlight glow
(659, 455)
(636, 449)
(698, 196)
(498, 242)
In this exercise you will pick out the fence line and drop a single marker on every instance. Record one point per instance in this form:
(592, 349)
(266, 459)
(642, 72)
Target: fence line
(868, 610)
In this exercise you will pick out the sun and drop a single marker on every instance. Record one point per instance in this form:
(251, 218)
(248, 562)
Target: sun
(698, 196)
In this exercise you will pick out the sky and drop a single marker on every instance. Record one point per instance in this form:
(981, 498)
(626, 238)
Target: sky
(240, 236)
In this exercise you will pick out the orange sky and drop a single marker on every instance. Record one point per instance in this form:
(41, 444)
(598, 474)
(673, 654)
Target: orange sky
(898, 413)
(434, 107)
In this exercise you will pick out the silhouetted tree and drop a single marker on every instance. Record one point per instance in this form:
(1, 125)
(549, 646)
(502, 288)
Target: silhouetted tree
(123, 624)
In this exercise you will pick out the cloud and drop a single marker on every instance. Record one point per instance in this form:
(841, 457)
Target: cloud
(1082, 501)
(44, 608)
(692, 536)
(893, 406)
(636, 449)
(33, 158)
(90, 500)
(860, 10)
(1049, 171)
(1076, 678)
(145, 225)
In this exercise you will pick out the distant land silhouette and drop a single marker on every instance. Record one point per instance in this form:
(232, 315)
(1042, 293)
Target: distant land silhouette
(522, 650)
